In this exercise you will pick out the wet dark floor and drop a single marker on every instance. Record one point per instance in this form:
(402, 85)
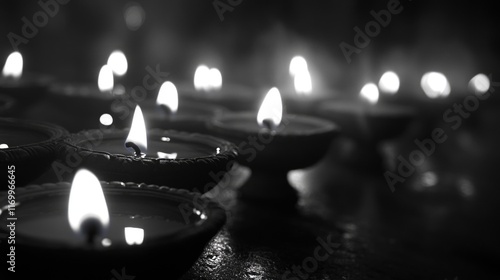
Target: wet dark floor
(440, 223)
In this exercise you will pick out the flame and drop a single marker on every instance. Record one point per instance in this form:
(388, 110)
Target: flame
(105, 81)
(389, 82)
(137, 133)
(207, 79)
(215, 79)
(13, 66)
(301, 77)
(370, 93)
(435, 85)
(133, 235)
(4, 146)
(201, 77)
(302, 82)
(168, 96)
(298, 64)
(480, 84)
(118, 62)
(86, 201)
(271, 108)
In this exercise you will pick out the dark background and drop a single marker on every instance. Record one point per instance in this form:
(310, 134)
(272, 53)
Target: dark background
(256, 40)
(441, 223)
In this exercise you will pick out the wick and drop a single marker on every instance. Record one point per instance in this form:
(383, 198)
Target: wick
(136, 148)
(268, 123)
(91, 228)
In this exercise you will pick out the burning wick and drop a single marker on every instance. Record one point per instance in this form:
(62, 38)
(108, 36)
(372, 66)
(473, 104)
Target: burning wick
(137, 136)
(269, 124)
(271, 110)
(88, 213)
(136, 148)
(168, 99)
(91, 227)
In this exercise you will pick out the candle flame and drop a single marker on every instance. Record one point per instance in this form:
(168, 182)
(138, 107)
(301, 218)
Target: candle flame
(167, 96)
(105, 81)
(480, 84)
(207, 79)
(298, 64)
(271, 109)
(201, 77)
(215, 79)
(13, 66)
(302, 82)
(389, 82)
(118, 62)
(370, 93)
(435, 85)
(301, 77)
(137, 133)
(86, 201)
(133, 235)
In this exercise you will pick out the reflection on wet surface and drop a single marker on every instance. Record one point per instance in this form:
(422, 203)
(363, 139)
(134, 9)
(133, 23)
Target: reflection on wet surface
(437, 224)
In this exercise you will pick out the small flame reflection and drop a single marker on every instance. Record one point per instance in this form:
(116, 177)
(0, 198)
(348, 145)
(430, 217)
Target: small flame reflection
(167, 155)
(106, 119)
(133, 235)
(271, 110)
(106, 242)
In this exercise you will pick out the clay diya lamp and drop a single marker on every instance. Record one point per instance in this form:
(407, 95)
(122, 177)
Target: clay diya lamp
(155, 156)
(28, 147)
(272, 144)
(103, 230)
(167, 112)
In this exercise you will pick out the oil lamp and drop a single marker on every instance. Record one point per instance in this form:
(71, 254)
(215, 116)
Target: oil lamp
(25, 89)
(29, 146)
(95, 229)
(178, 159)
(271, 144)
